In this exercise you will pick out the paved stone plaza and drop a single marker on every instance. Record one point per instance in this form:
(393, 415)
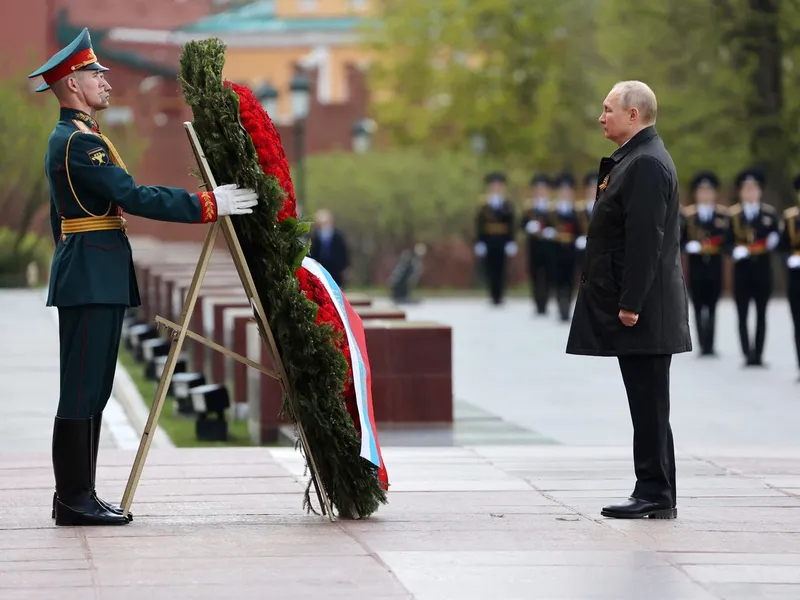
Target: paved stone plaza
(480, 521)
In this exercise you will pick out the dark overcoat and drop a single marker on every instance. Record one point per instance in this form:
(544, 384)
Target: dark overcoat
(633, 257)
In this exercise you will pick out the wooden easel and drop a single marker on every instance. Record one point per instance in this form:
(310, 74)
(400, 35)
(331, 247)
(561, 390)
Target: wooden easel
(180, 331)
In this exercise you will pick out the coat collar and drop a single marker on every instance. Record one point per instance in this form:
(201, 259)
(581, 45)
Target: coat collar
(71, 114)
(640, 138)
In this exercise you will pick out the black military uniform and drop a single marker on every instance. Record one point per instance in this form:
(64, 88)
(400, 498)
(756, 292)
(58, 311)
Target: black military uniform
(705, 228)
(790, 248)
(92, 278)
(495, 236)
(540, 235)
(583, 210)
(565, 220)
(753, 235)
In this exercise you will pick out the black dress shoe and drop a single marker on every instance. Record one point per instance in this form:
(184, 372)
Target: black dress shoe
(634, 508)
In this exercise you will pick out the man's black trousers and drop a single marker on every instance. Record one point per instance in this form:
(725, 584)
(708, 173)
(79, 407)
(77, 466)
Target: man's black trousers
(89, 339)
(646, 379)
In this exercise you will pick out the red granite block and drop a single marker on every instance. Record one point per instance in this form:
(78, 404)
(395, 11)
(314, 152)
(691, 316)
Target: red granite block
(238, 389)
(217, 359)
(383, 312)
(406, 389)
(356, 299)
(230, 318)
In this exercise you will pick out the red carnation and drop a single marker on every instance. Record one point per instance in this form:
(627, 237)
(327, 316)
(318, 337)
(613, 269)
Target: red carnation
(272, 160)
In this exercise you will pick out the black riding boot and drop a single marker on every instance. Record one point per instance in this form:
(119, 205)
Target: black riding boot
(72, 466)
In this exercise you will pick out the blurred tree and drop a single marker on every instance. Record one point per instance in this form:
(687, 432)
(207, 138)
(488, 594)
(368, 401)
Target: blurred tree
(388, 200)
(22, 119)
(519, 72)
(720, 69)
(27, 119)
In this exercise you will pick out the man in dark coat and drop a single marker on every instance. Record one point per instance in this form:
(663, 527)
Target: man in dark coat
(329, 248)
(632, 301)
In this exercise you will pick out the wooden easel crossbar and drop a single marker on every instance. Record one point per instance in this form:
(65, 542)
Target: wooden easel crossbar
(180, 331)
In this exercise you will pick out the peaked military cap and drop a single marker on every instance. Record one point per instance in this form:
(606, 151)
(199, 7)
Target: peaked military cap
(752, 174)
(540, 178)
(495, 177)
(75, 57)
(590, 179)
(705, 178)
(565, 180)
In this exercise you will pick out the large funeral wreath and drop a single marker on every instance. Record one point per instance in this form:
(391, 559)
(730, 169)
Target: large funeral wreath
(243, 147)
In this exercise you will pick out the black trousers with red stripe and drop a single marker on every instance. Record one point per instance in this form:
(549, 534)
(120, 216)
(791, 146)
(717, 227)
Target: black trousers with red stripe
(89, 338)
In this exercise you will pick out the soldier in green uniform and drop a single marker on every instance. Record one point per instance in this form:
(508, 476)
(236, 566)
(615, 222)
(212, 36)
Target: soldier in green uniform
(753, 236)
(564, 219)
(583, 209)
(92, 280)
(790, 248)
(495, 235)
(539, 234)
(705, 228)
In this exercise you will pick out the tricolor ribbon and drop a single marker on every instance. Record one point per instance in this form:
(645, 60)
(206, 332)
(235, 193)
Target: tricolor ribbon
(362, 381)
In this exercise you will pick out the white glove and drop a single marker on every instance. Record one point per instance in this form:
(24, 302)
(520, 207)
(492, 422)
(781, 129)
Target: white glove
(480, 248)
(580, 243)
(693, 247)
(793, 262)
(549, 233)
(773, 239)
(511, 248)
(740, 252)
(233, 200)
(533, 227)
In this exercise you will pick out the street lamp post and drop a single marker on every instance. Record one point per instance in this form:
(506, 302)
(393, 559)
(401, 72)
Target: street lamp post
(478, 142)
(300, 89)
(268, 97)
(362, 135)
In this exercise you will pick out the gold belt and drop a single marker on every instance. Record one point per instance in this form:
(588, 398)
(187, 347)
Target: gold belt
(92, 224)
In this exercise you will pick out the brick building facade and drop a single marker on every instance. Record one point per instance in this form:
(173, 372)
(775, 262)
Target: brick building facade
(146, 96)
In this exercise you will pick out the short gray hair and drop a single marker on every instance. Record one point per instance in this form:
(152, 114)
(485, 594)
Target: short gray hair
(638, 95)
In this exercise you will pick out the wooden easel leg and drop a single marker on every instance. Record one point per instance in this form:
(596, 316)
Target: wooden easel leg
(169, 368)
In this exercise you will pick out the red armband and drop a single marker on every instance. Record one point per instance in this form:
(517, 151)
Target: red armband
(208, 207)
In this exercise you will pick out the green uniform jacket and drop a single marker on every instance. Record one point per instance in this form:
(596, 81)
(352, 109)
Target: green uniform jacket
(87, 179)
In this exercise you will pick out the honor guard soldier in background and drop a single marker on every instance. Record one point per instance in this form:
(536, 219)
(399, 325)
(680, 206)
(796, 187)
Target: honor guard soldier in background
(495, 235)
(583, 209)
(754, 234)
(539, 235)
(565, 221)
(790, 248)
(92, 278)
(705, 229)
